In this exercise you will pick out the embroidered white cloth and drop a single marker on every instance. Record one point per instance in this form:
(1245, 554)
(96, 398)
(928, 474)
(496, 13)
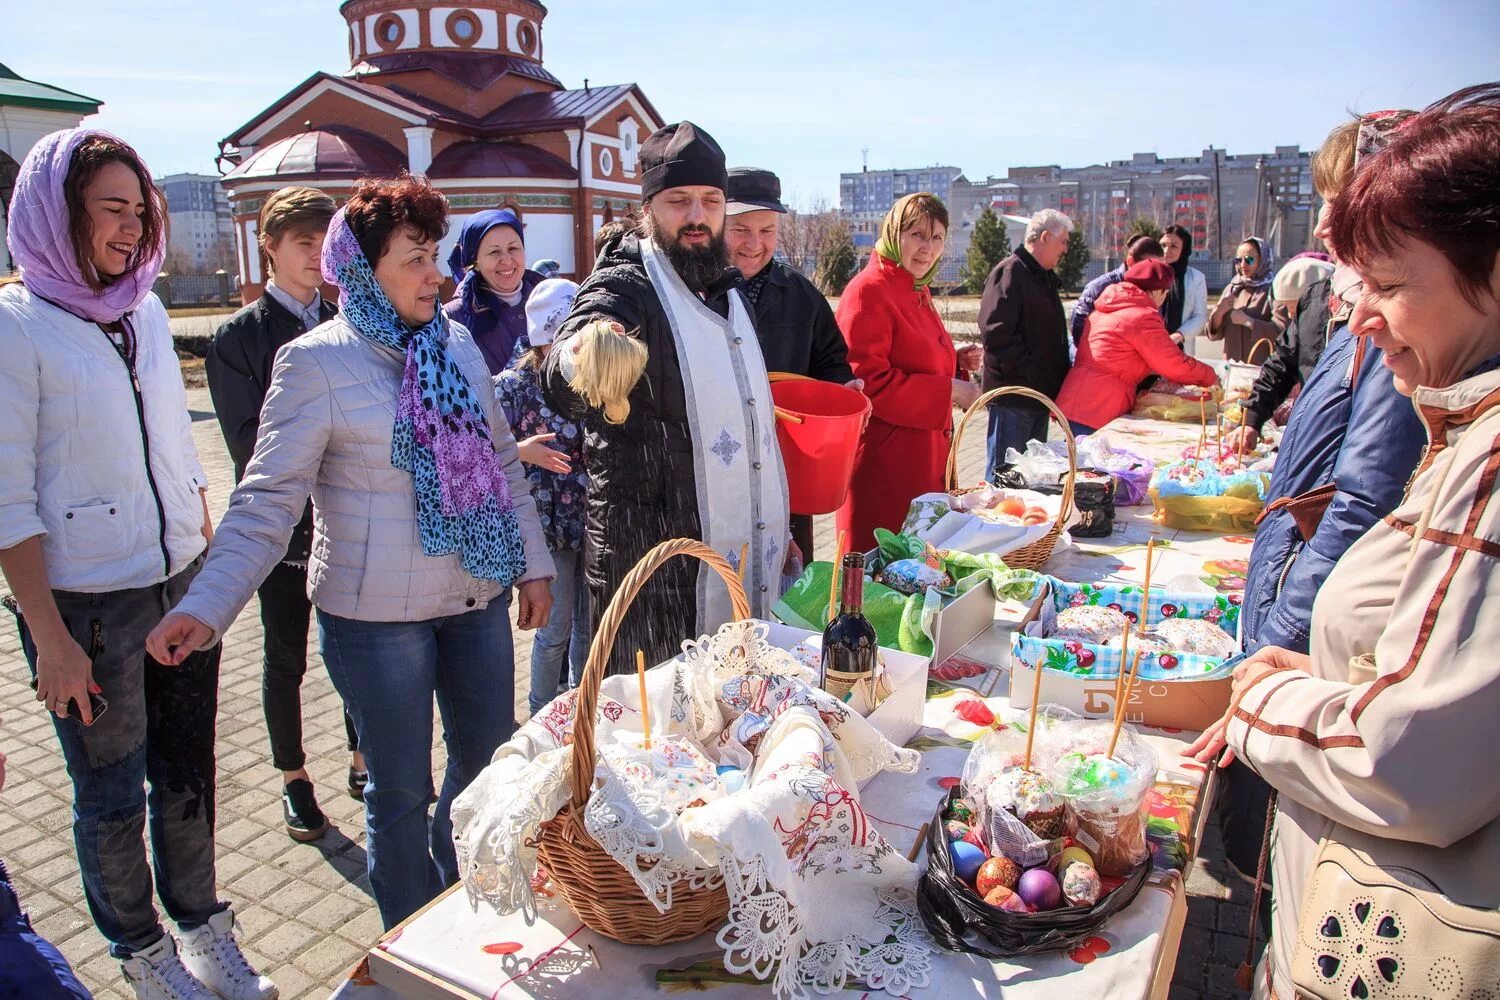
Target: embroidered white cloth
(818, 899)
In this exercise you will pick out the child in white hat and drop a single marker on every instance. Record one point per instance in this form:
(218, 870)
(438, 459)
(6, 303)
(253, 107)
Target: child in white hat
(552, 449)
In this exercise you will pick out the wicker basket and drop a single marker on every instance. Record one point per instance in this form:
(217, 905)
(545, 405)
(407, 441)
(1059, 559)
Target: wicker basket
(1036, 554)
(599, 890)
(960, 921)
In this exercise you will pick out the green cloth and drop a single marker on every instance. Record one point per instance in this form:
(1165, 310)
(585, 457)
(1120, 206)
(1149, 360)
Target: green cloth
(902, 622)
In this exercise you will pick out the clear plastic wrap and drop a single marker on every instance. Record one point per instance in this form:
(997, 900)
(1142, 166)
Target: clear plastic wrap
(1107, 795)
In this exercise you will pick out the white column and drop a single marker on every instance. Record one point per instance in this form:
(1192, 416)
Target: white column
(418, 148)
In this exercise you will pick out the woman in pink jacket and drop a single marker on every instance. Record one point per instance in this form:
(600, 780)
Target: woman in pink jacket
(1124, 342)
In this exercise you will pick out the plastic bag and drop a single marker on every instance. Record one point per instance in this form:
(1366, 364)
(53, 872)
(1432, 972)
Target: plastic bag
(1042, 465)
(1045, 463)
(990, 779)
(1107, 795)
(1184, 404)
(1196, 496)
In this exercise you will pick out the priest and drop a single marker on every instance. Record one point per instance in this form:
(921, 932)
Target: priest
(697, 455)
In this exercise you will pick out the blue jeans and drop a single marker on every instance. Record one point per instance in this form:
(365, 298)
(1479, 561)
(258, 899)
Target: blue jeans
(566, 634)
(148, 761)
(1011, 427)
(387, 673)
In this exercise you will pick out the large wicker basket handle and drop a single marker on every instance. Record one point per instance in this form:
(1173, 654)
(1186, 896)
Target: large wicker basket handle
(1057, 415)
(1270, 347)
(585, 710)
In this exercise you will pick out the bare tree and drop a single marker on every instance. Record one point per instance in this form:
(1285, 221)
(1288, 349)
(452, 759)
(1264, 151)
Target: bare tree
(803, 231)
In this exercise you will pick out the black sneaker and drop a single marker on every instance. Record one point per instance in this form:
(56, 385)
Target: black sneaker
(299, 809)
(357, 782)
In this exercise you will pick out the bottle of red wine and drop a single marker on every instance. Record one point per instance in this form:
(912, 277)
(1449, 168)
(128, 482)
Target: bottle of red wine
(850, 648)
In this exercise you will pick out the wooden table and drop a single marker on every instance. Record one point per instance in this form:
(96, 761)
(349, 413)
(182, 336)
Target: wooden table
(449, 950)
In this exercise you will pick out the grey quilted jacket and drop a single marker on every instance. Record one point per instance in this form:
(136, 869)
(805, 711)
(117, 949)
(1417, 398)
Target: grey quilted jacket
(325, 431)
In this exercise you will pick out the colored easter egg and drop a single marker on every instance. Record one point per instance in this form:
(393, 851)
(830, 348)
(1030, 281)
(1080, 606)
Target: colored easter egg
(954, 830)
(997, 871)
(1070, 855)
(966, 859)
(1039, 888)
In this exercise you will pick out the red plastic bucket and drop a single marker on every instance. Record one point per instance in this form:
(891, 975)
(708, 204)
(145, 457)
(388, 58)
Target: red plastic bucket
(818, 425)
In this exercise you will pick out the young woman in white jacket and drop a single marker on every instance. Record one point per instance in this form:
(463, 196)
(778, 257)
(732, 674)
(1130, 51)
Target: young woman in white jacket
(1186, 309)
(102, 527)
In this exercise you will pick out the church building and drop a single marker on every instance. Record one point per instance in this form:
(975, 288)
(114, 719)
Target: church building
(456, 91)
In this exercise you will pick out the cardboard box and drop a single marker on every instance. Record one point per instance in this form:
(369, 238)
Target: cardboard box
(1187, 703)
(963, 618)
(898, 717)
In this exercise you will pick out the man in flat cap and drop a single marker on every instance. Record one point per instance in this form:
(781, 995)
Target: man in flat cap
(697, 456)
(792, 319)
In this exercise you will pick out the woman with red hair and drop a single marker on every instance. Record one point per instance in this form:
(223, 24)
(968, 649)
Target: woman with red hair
(1385, 843)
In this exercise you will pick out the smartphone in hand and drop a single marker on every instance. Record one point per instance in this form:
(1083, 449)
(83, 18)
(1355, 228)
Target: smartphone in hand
(97, 704)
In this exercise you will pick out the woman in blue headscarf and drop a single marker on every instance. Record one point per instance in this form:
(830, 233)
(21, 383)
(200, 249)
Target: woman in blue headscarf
(489, 264)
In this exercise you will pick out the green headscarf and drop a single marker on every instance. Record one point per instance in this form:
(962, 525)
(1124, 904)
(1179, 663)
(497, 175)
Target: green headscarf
(903, 215)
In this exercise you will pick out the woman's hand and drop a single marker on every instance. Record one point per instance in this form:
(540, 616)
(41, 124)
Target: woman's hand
(534, 604)
(1177, 339)
(1246, 437)
(64, 673)
(971, 357)
(1239, 317)
(176, 637)
(1208, 744)
(1251, 670)
(964, 393)
(857, 384)
(534, 451)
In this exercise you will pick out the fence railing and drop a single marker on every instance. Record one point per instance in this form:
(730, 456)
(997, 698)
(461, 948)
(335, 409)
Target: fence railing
(197, 289)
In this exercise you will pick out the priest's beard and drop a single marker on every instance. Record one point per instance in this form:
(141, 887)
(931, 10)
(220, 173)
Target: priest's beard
(700, 266)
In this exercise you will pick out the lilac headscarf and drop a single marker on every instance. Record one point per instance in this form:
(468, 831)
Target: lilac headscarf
(42, 247)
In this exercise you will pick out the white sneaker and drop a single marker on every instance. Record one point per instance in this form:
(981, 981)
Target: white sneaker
(211, 953)
(157, 973)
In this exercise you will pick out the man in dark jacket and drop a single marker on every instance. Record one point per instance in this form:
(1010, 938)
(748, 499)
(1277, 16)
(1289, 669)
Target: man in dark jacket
(793, 321)
(696, 457)
(1355, 439)
(1025, 335)
(1297, 352)
(239, 363)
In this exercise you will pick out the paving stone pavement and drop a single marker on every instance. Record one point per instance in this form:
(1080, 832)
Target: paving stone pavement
(305, 909)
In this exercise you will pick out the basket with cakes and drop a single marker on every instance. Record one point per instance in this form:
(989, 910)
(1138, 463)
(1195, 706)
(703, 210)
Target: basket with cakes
(1024, 526)
(1043, 840)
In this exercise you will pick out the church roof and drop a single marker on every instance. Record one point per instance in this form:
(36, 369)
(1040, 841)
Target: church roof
(472, 69)
(480, 158)
(334, 151)
(525, 113)
(18, 92)
(561, 108)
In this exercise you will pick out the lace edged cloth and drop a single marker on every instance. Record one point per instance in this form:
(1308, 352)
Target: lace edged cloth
(819, 900)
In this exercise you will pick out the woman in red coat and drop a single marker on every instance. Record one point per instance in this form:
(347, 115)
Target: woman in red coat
(1124, 342)
(899, 346)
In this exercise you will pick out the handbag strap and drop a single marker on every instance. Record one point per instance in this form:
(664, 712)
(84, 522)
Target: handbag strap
(1244, 975)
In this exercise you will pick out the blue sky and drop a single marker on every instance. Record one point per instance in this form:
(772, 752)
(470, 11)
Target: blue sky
(802, 87)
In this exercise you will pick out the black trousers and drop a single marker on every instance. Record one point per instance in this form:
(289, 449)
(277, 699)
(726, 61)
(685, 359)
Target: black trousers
(285, 613)
(802, 534)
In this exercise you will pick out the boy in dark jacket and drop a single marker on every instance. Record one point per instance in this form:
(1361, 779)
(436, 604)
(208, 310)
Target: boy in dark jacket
(1025, 335)
(240, 360)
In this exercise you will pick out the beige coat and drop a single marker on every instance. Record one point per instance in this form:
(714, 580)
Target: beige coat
(1402, 748)
(325, 430)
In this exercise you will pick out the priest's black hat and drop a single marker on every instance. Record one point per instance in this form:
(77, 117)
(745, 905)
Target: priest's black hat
(681, 155)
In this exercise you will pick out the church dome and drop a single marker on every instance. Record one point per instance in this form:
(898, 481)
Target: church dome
(498, 159)
(379, 29)
(330, 152)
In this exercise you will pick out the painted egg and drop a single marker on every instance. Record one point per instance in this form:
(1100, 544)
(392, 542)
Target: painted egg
(954, 830)
(961, 811)
(1080, 884)
(1007, 900)
(966, 859)
(1070, 855)
(1039, 888)
(997, 872)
